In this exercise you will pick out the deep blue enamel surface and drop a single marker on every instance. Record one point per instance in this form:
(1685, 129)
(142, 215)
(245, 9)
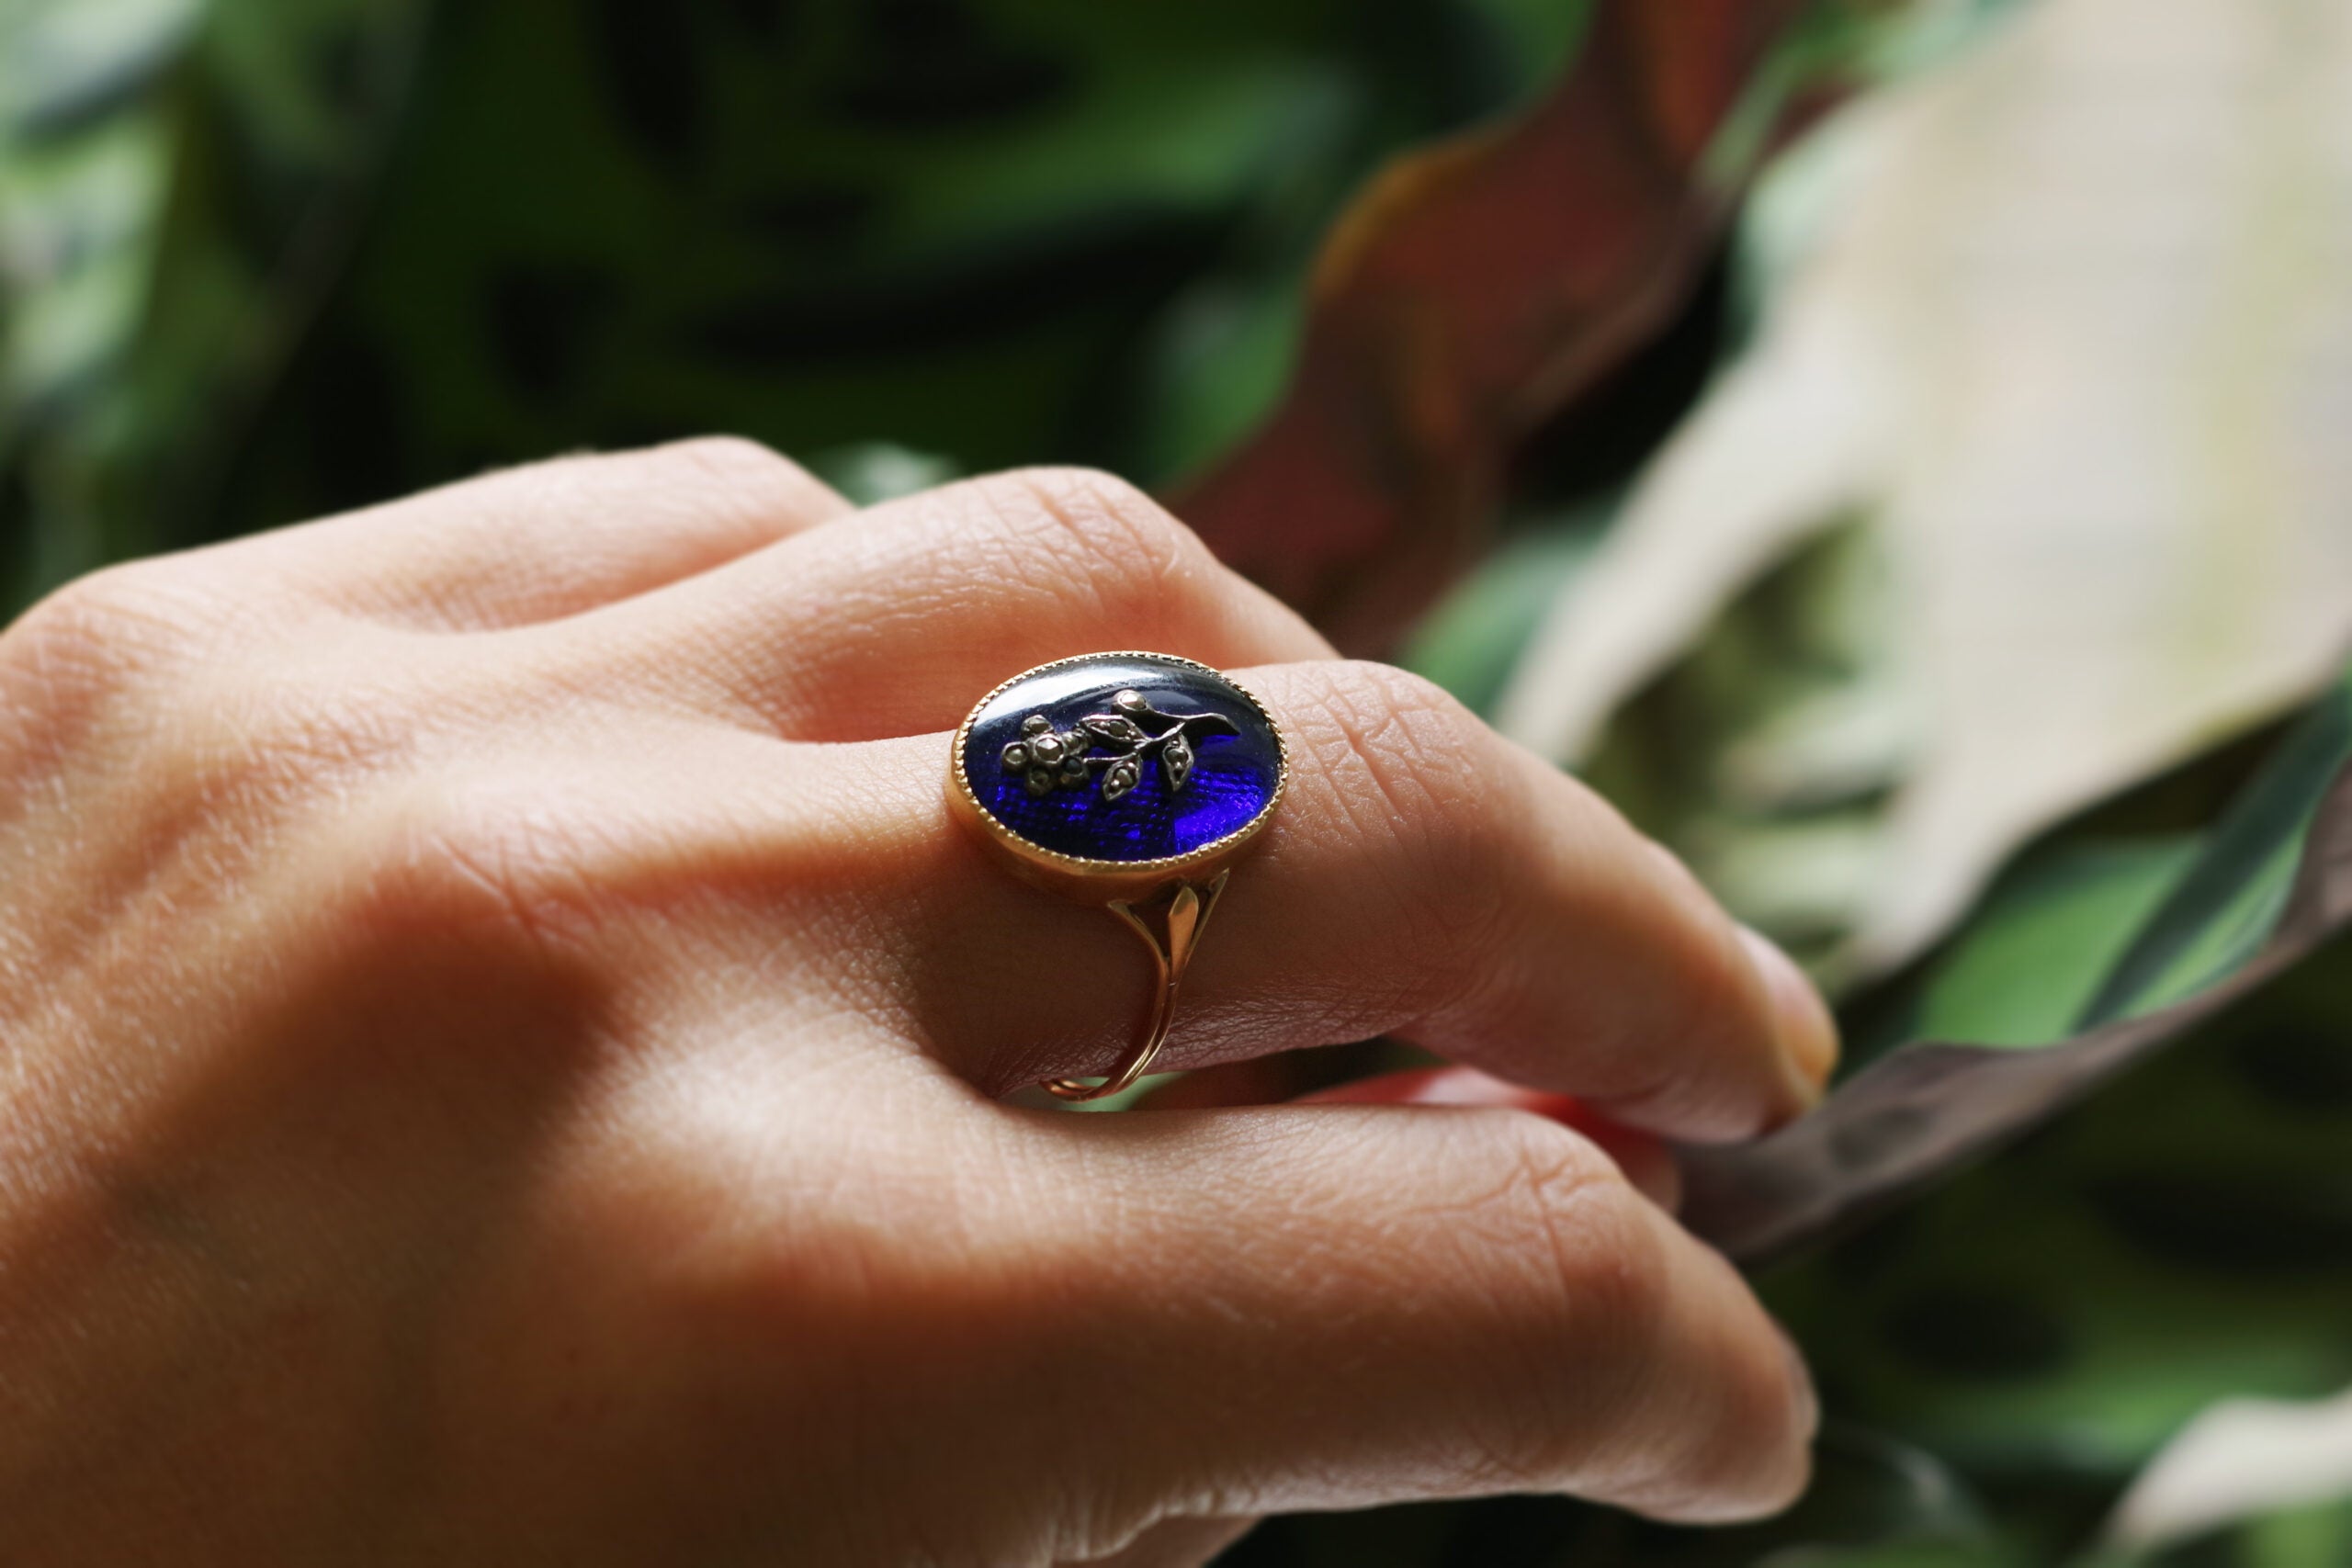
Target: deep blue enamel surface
(1233, 778)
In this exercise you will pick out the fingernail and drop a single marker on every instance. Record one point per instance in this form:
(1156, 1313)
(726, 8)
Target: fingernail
(1802, 1024)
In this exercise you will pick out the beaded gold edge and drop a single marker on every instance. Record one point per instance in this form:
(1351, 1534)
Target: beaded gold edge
(960, 782)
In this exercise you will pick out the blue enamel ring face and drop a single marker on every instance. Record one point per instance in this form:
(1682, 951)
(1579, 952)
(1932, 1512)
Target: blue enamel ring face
(1121, 759)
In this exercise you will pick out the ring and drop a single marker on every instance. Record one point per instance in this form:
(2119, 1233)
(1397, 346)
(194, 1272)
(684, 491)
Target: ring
(1131, 781)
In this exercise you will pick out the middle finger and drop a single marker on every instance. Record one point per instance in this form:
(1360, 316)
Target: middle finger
(889, 622)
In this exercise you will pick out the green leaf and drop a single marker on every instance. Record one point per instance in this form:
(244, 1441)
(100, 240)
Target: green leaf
(1469, 641)
(2229, 901)
(2027, 964)
(2183, 1237)
(2315, 1536)
(64, 63)
(2222, 911)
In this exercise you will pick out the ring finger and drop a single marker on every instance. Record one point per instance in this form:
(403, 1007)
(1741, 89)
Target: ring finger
(1422, 877)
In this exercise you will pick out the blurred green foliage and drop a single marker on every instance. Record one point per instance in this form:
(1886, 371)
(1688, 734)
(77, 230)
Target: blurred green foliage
(271, 258)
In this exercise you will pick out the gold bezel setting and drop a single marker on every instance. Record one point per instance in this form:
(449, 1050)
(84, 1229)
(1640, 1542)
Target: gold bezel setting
(1107, 881)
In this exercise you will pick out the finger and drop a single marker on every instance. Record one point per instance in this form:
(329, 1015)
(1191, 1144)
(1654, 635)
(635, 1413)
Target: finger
(553, 538)
(894, 622)
(1330, 1307)
(1422, 877)
(1644, 1161)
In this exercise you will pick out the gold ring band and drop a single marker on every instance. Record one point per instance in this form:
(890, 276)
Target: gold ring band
(1185, 917)
(1131, 781)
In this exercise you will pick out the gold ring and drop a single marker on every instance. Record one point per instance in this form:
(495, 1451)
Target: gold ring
(1132, 780)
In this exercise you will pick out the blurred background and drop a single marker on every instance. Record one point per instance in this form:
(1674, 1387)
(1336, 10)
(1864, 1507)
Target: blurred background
(1899, 450)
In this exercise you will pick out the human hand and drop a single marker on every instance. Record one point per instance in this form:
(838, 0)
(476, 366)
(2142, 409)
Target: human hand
(503, 1039)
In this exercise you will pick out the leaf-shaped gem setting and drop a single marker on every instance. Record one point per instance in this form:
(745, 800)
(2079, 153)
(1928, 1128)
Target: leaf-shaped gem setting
(1176, 759)
(1116, 729)
(1122, 775)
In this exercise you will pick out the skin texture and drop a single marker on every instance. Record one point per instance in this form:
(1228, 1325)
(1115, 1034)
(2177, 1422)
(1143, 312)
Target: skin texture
(501, 1048)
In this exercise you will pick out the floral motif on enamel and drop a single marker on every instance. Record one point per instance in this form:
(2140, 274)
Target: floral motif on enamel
(1047, 759)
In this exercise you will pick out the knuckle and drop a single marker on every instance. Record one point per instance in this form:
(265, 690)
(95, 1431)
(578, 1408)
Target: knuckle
(1108, 534)
(737, 477)
(1413, 773)
(455, 862)
(1599, 1242)
(1598, 1319)
(234, 745)
(1590, 1281)
(100, 625)
(109, 658)
(730, 460)
(1408, 748)
(729, 482)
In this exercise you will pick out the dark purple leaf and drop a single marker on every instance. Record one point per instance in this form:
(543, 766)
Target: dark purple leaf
(1475, 286)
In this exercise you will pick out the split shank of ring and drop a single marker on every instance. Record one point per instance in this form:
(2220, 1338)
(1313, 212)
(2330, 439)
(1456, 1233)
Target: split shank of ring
(1131, 781)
